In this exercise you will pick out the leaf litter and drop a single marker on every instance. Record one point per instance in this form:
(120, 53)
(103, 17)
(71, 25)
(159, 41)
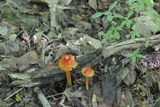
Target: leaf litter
(37, 33)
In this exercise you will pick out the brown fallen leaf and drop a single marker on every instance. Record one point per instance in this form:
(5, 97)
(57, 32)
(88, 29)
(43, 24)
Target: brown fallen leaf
(26, 60)
(131, 77)
(93, 4)
(94, 42)
(127, 99)
(83, 26)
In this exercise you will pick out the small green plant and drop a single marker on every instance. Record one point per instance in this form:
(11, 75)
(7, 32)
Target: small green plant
(139, 5)
(113, 33)
(135, 33)
(114, 30)
(135, 55)
(6, 12)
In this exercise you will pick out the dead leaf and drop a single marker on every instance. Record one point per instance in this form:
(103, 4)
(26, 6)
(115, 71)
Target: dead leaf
(3, 30)
(13, 46)
(94, 42)
(102, 4)
(64, 2)
(144, 103)
(131, 77)
(83, 26)
(123, 73)
(78, 17)
(73, 48)
(37, 38)
(26, 60)
(108, 89)
(54, 12)
(126, 99)
(145, 24)
(93, 4)
(61, 51)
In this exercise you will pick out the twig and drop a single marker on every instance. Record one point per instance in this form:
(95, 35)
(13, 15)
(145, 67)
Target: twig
(129, 44)
(41, 97)
(13, 94)
(53, 13)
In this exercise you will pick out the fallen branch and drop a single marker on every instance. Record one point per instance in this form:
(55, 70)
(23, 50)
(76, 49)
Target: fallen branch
(41, 97)
(129, 44)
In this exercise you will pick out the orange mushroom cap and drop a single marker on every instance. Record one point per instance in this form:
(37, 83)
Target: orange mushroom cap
(67, 62)
(87, 72)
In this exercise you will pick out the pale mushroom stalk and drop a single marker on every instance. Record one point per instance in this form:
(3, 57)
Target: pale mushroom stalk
(87, 85)
(68, 76)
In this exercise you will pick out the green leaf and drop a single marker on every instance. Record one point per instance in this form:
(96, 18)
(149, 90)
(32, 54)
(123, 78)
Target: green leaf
(154, 27)
(139, 56)
(18, 98)
(116, 34)
(129, 55)
(119, 28)
(13, 36)
(133, 59)
(134, 6)
(96, 15)
(137, 34)
(109, 32)
(118, 16)
(6, 12)
(112, 6)
(123, 23)
(130, 2)
(157, 22)
(137, 27)
(106, 13)
(104, 39)
(142, 6)
(128, 24)
(136, 51)
(109, 18)
(133, 36)
(101, 33)
(147, 43)
(154, 15)
(130, 13)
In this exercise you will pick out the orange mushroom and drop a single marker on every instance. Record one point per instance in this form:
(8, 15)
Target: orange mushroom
(66, 63)
(87, 72)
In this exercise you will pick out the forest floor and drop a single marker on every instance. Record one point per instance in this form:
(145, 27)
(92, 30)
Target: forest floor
(35, 34)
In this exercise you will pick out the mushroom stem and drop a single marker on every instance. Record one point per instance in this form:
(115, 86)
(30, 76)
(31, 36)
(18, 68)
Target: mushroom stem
(86, 83)
(68, 76)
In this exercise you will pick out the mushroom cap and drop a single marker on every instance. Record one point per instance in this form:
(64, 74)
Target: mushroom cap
(67, 62)
(87, 72)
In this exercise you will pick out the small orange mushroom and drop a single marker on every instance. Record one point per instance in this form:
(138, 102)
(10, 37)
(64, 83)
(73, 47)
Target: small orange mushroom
(87, 72)
(66, 63)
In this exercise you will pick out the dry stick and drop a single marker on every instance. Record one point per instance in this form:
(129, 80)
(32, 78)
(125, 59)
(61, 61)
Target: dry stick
(41, 97)
(13, 94)
(129, 44)
(53, 13)
(94, 100)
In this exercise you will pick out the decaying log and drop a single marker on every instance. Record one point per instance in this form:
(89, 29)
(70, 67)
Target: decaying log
(46, 76)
